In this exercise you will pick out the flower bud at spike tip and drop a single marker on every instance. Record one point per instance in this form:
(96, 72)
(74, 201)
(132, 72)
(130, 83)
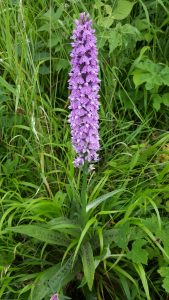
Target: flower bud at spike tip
(84, 88)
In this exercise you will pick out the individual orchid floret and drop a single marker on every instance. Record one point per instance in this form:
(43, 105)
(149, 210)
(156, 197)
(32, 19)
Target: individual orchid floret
(54, 297)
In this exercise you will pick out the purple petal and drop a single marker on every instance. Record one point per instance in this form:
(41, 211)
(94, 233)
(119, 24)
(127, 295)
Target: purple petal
(54, 297)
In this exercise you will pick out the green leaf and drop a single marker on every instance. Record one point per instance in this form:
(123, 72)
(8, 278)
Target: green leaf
(105, 22)
(41, 233)
(164, 272)
(151, 223)
(54, 40)
(119, 235)
(44, 70)
(65, 225)
(115, 40)
(41, 287)
(98, 4)
(108, 9)
(122, 35)
(138, 254)
(53, 279)
(8, 86)
(6, 258)
(149, 73)
(88, 264)
(89, 223)
(122, 9)
(64, 275)
(142, 274)
(99, 200)
(165, 76)
(61, 64)
(165, 99)
(157, 100)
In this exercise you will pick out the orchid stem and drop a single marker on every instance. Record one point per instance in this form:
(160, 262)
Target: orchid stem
(84, 191)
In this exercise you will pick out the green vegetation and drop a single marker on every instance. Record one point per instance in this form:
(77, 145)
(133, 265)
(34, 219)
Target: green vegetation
(120, 249)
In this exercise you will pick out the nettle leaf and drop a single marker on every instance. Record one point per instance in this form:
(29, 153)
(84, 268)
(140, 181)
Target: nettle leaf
(164, 272)
(122, 10)
(88, 264)
(138, 254)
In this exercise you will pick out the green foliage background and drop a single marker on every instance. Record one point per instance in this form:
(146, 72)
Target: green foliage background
(121, 249)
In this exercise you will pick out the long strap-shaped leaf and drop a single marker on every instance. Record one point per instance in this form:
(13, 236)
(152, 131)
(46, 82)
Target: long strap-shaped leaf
(100, 199)
(41, 233)
(88, 264)
(89, 223)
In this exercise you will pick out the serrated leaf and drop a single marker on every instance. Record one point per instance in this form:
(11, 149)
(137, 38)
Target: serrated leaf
(41, 233)
(152, 224)
(88, 264)
(150, 73)
(122, 35)
(99, 200)
(138, 254)
(117, 235)
(122, 9)
(105, 22)
(164, 272)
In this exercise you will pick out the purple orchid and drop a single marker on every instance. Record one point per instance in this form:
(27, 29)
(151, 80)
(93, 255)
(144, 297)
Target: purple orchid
(84, 88)
(54, 297)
